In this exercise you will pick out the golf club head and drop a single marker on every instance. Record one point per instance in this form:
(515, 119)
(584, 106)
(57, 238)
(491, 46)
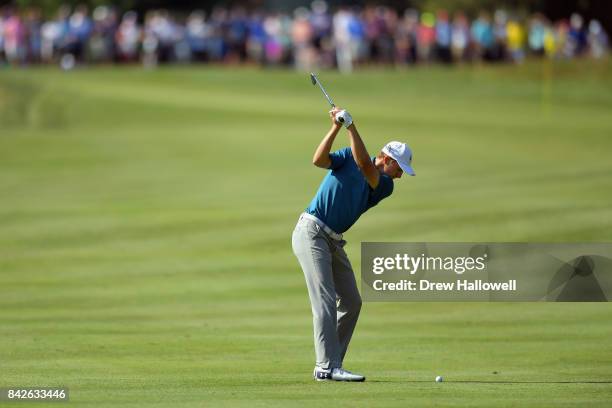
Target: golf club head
(313, 78)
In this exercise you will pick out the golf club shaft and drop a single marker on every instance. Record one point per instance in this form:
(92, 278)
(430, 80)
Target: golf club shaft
(323, 90)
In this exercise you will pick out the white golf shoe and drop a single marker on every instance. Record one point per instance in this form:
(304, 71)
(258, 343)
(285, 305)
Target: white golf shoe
(336, 374)
(322, 374)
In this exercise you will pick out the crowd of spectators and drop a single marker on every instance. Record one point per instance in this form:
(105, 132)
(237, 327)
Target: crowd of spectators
(309, 37)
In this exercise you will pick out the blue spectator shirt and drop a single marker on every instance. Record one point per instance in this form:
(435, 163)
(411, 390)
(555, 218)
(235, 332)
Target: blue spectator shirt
(344, 193)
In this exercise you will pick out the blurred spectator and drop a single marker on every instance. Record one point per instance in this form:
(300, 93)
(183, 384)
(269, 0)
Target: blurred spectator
(482, 34)
(53, 33)
(576, 39)
(385, 41)
(128, 37)
(406, 38)
(197, 32)
(460, 36)
(216, 43)
(499, 49)
(301, 37)
(98, 48)
(321, 23)
(236, 35)
(102, 41)
(550, 41)
(358, 38)
(33, 24)
(443, 37)
(561, 34)
(79, 30)
(150, 44)
(273, 49)
(166, 33)
(277, 45)
(537, 31)
(256, 38)
(14, 38)
(515, 35)
(345, 51)
(426, 36)
(1, 35)
(310, 38)
(597, 39)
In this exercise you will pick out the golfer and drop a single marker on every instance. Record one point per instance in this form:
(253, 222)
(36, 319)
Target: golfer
(354, 183)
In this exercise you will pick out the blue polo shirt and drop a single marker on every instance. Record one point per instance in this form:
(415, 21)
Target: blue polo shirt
(345, 194)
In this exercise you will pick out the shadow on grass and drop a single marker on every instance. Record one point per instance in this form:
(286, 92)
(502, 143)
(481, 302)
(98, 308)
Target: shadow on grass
(493, 382)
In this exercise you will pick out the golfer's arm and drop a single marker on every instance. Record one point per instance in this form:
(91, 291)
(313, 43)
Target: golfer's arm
(321, 156)
(362, 158)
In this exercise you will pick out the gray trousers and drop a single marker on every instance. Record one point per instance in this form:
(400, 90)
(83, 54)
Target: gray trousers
(332, 289)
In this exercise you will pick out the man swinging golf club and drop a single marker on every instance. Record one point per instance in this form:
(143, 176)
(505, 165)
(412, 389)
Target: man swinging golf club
(354, 183)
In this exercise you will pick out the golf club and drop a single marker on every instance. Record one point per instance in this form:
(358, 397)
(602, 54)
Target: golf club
(315, 81)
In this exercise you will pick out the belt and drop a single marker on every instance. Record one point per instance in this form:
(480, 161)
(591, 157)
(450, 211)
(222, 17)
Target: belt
(329, 231)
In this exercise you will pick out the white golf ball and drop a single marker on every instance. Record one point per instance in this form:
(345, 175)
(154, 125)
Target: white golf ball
(439, 378)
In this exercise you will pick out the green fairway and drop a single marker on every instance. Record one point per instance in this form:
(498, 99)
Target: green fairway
(146, 219)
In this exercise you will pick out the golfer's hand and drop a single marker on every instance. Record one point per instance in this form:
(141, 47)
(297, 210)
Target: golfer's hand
(332, 115)
(343, 118)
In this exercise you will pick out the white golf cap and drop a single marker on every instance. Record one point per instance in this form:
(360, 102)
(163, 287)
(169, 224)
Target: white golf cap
(401, 153)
